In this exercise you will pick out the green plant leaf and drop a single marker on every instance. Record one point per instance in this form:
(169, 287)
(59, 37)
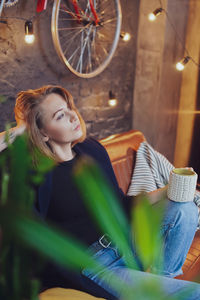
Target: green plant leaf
(22, 230)
(102, 202)
(49, 241)
(146, 224)
(4, 185)
(44, 164)
(44, 239)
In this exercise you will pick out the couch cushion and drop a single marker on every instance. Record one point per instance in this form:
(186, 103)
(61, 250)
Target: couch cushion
(121, 149)
(65, 294)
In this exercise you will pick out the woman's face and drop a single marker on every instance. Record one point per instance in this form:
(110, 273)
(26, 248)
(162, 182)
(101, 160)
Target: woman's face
(61, 125)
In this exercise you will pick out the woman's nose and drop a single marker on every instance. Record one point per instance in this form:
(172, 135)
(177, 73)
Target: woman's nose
(72, 116)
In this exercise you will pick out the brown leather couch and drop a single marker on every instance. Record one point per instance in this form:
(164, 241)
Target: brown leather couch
(122, 149)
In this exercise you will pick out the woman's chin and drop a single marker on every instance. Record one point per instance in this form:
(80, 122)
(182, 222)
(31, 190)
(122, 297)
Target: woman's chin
(79, 134)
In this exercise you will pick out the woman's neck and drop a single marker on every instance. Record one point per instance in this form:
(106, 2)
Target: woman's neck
(63, 151)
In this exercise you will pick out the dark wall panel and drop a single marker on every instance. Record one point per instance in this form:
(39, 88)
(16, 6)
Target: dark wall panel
(25, 66)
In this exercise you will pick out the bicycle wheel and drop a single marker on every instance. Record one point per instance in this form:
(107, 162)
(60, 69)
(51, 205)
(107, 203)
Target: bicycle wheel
(85, 36)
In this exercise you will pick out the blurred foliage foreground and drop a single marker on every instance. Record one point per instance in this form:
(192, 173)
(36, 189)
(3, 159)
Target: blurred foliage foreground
(22, 234)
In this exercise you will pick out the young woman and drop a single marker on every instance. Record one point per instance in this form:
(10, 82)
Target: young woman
(55, 126)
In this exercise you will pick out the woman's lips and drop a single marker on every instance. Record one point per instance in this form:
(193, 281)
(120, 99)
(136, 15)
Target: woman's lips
(77, 127)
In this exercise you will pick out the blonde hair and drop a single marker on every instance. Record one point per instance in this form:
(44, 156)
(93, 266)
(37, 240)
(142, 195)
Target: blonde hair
(27, 110)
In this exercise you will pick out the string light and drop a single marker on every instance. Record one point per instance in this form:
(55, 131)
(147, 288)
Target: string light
(125, 36)
(152, 16)
(29, 36)
(181, 64)
(112, 101)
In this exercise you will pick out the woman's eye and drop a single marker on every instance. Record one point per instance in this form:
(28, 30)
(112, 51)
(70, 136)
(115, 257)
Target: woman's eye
(60, 116)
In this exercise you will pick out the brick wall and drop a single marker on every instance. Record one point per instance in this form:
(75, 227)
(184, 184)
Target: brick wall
(25, 66)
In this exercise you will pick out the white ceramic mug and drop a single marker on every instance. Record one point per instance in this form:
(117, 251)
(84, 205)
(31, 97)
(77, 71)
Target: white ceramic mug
(182, 185)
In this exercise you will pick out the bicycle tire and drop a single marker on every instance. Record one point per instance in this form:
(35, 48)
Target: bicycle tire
(90, 47)
(2, 3)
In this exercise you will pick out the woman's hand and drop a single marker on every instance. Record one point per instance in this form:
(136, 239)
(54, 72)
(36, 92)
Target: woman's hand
(20, 128)
(158, 194)
(12, 134)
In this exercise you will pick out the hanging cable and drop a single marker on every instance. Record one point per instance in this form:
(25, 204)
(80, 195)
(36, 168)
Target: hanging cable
(181, 41)
(19, 18)
(181, 64)
(161, 4)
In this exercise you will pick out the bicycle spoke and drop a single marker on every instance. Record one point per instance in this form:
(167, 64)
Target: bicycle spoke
(69, 40)
(73, 54)
(69, 13)
(105, 51)
(108, 21)
(89, 56)
(75, 28)
(69, 45)
(96, 56)
(81, 64)
(84, 13)
(88, 7)
(72, 34)
(83, 44)
(72, 39)
(80, 60)
(67, 19)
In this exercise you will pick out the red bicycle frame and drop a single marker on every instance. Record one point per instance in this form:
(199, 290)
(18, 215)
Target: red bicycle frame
(94, 12)
(42, 4)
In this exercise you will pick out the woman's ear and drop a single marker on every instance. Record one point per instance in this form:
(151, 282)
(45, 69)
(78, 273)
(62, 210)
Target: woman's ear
(45, 137)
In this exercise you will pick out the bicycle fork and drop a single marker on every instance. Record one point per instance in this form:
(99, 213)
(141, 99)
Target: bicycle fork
(41, 5)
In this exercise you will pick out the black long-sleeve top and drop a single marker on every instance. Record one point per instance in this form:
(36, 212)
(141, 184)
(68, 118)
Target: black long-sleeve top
(59, 201)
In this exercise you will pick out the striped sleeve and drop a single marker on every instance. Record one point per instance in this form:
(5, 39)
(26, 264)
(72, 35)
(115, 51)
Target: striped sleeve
(151, 171)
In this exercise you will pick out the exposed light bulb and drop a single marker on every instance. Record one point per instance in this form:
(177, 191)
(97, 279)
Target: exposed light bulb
(112, 101)
(29, 36)
(180, 66)
(152, 16)
(125, 36)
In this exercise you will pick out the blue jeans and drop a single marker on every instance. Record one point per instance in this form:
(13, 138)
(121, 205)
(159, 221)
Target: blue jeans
(178, 230)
